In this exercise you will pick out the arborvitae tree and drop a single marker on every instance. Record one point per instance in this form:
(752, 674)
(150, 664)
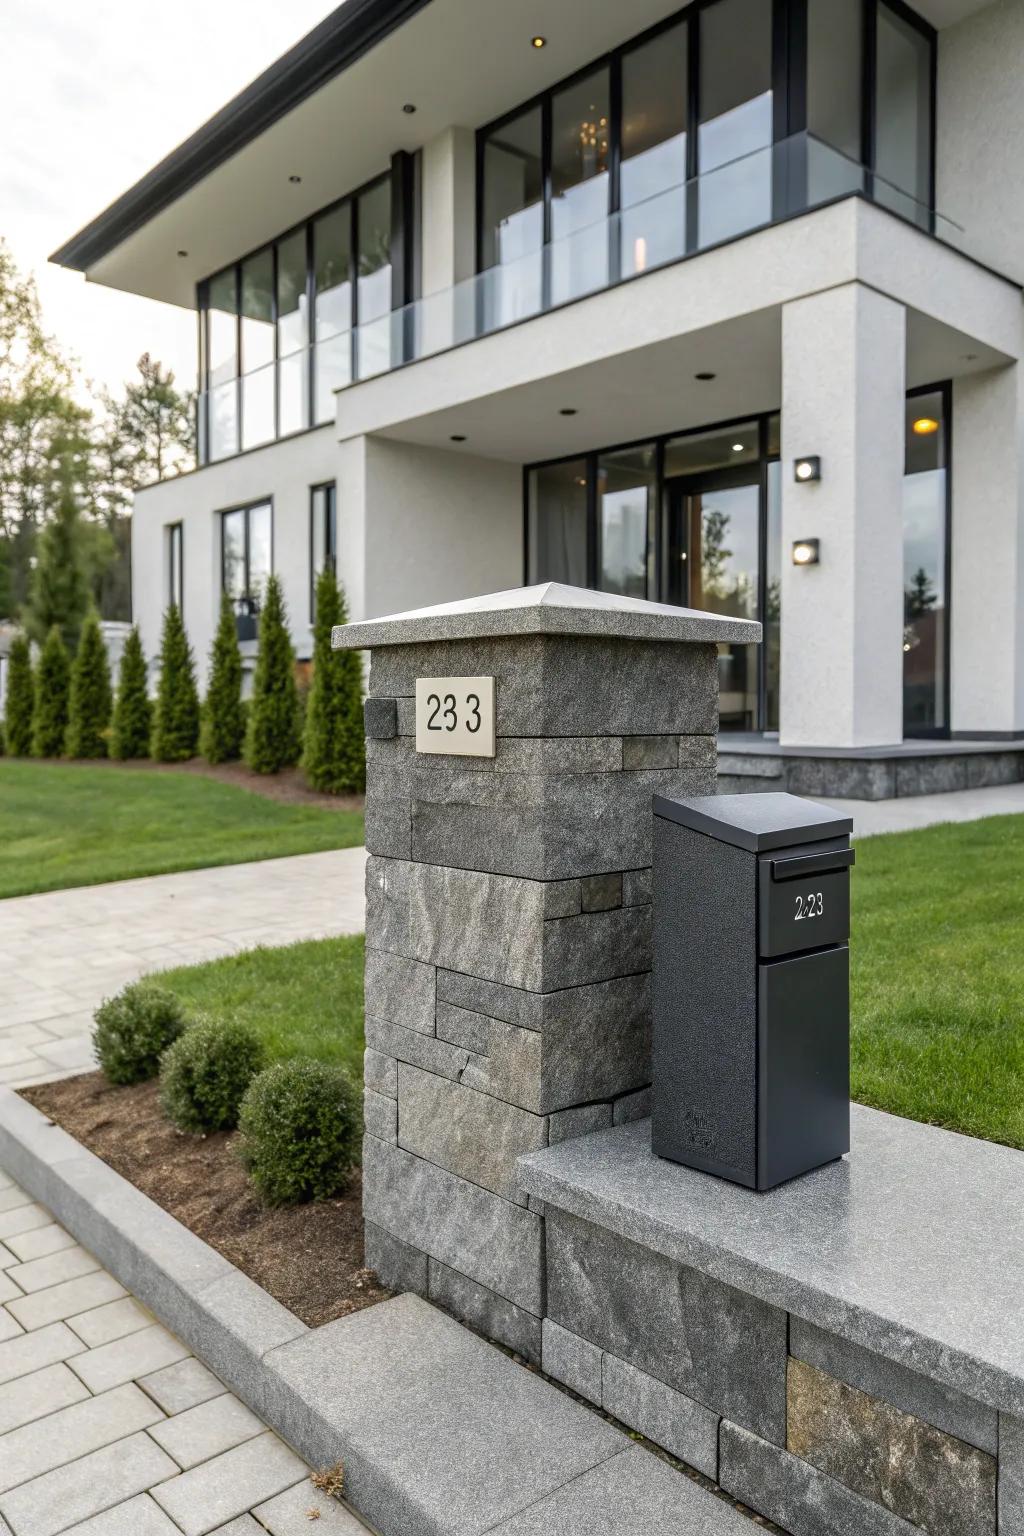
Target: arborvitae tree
(176, 721)
(59, 590)
(132, 711)
(272, 737)
(53, 680)
(335, 749)
(20, 699)
(223, 721)
(91, 699)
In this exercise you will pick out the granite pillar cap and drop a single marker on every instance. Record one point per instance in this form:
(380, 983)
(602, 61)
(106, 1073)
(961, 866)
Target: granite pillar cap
(547, 609)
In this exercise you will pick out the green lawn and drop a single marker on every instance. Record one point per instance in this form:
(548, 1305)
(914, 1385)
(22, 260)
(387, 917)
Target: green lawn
(937, 955)
(303, 1000)
(69, 824)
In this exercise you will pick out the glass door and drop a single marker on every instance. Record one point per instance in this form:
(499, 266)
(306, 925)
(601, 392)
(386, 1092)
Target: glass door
(714, 563)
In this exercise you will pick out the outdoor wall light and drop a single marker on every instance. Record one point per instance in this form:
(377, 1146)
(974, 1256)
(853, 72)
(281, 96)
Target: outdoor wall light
(807, 468)
(924, 426)
(806, 552)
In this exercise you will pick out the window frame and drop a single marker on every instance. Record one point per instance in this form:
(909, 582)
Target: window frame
(329, 488)
(246, 507)
(175, 533)
(942, 732)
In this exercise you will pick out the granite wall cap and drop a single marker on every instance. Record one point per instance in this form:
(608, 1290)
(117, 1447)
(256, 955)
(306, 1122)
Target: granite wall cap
(548, 609)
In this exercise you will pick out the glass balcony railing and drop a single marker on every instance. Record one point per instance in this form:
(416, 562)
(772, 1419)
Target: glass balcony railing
(733, 199)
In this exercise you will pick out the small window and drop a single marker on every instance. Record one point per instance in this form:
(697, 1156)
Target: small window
(323, 549)
(175, 565)
(246, 556)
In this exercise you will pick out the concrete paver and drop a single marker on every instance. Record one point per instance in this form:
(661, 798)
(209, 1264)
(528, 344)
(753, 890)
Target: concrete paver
(63, 952)
(101, 1436)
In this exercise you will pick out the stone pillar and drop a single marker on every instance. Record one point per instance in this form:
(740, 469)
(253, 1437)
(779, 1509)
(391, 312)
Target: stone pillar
(843, 389)
(508, 917)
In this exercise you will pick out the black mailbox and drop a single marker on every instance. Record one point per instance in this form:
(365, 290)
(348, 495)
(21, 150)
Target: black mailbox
(751, 985)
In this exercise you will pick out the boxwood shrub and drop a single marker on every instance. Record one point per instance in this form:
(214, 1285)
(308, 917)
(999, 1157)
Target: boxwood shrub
(300, 1123)
(204, 1074)
(134, 1029)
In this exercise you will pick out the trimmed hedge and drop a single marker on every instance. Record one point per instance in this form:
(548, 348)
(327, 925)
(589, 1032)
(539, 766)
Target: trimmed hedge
(205, 1073)
(300, 1125)
(272, 739)
(334, 756)
(223, 729)
(176, 719)
(91, 700)
(133, 713)
(134, 1029)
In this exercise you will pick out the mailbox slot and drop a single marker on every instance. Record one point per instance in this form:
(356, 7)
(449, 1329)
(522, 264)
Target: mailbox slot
(803, 900)
(793, 866)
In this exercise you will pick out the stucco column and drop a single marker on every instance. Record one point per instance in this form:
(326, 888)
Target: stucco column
(449, 195)
(843, 387)
(987, 609)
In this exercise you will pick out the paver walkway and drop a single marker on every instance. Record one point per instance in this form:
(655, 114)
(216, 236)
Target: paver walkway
(110, 1427)
(62, 952)
(910, 811)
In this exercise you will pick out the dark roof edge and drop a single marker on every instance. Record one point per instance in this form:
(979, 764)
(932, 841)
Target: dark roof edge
(332, 46)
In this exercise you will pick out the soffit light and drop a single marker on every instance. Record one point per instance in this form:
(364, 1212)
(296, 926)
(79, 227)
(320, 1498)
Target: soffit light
(409, 108)
(458, 437)
(806, 552)
(738, 447)
(924, 426)
(807, 468)
(568, 410)
(538, 42)
(294, 180)
(704, 378)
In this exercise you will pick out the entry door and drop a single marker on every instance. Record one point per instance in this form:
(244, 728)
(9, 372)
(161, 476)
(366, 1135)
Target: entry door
(713, 562)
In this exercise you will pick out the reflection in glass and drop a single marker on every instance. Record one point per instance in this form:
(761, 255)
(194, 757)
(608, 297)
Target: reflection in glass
(772, 617)
(723, 529)
(222, 328)
(257, 349)
(735, 131)
(626, 498)
(653, 153)
(322, 536)
(902, 117)
(332, 258)
(373, 279)
(233, 547)
(924, 565)
(512, 226)
(834, 90)
(720, 448)
(175, 565)
(580, 139)
(258, 550)
(558, 523)
(223, 408)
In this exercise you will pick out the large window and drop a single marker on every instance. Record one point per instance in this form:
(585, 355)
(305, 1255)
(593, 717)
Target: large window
(723, 118)
(926, 564)
(323, 537)
(300, 318)
(246, 555)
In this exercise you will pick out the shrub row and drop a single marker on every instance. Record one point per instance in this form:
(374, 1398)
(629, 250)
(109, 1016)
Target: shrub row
(299, 1120)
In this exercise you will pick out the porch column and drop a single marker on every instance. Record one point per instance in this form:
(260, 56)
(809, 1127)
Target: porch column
(987, 599)
(843, 387)
(449, 198)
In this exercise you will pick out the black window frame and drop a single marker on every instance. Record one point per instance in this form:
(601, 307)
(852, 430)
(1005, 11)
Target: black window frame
(246, 507)
(403, 176)
(789, 110)
(942, 732)
(176, 558)
(329, 489)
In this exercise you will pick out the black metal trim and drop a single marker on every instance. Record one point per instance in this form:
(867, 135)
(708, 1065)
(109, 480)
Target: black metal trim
(942, 732)
(330, 491)
(328, 50)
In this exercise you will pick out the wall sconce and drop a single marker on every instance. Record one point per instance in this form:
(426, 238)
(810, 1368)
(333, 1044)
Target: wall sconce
(806, 552)
(807, 468)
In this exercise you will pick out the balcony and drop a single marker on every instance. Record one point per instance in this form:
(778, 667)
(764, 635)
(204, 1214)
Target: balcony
(675, 223)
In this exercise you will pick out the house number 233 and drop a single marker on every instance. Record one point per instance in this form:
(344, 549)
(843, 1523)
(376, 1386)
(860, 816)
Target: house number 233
(455, 715)
(811, 905)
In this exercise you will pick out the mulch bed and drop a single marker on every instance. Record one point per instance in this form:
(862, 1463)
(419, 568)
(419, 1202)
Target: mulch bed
(310, 1257)
(289, 786)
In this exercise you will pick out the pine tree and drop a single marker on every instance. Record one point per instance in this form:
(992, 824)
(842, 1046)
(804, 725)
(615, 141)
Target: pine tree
(53, 680)
(223, 721)
(272, 737)
(335, 749)
(132, 711)
(176, 720)
(59, 590)
(20, 699)
(91, 701)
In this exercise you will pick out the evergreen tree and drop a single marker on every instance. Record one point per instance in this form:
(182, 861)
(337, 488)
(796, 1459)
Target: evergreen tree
(20, 699)
(132, 711)
(176, 721)
(50, 715)
(335, 749)
(223, 722)
(59, 589)
(272, 737)
(90, 703)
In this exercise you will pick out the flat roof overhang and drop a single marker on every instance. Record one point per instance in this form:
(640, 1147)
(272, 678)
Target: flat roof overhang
(625, 360)
(330, 111)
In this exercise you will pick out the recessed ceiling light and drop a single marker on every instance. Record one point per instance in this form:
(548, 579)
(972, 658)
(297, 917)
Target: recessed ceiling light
(705, 378)
(738, 447)
(457, 437)
(410, 108)
(924, 426)
(295, 180)
(183, 253)
(970, 357)
(568, 410)
(538, 42)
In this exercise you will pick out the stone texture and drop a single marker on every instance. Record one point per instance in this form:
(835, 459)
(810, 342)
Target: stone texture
(291, 1514)
(468, 1228)
(139, 1517)
(44, 1240)
(126, 1358)
(471, 1134)
(29, 1352)
(33, 1397)
(380, 1116)
(794, 1494)
(704, 1339)
(631, 1494)
(596, 946)
(206, 1430)
(470, 1031)
(563, 898)
(39, 1274)
(632, 1106)
(180, 1387)
(98, 1481)
(409, 1045)
(387, 827)
(670, 1419)
(396, 1264)
(387, 905)
(71, 1432)
(578, 1122)
(600, 893)
(637, 887)
(487, 925)
(114, 1321)
(380, 1073)
(209, 1495)
(231, 1325)
(1011, 1476)
(380, 719)
(485, 1311)
(639, 752)
(908, 1390)
(915, 1470)
(439, 1431)
(400, 990)
(571, 1360)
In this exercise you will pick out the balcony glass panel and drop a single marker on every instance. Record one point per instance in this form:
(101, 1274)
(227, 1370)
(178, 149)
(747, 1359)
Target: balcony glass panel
(654, 97)
(512, 228)
(258, 407)
(735, 118)
(332, 258)
(373, 280)
(292, 329)
(293, 393)
(258, 349)
(259, 549)
(222, 327)
(903, 117)
(333, 362)
(222, 405)
(580, 184)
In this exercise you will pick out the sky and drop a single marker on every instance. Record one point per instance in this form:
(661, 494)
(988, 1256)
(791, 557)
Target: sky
(93, 96)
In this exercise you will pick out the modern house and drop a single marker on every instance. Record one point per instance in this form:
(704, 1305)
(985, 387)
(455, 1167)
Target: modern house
(719, 306)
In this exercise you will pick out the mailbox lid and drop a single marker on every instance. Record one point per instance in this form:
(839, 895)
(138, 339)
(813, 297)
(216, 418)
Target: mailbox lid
(757, 823)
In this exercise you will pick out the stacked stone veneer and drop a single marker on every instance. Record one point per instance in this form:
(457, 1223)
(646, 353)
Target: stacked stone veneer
(508, 935)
